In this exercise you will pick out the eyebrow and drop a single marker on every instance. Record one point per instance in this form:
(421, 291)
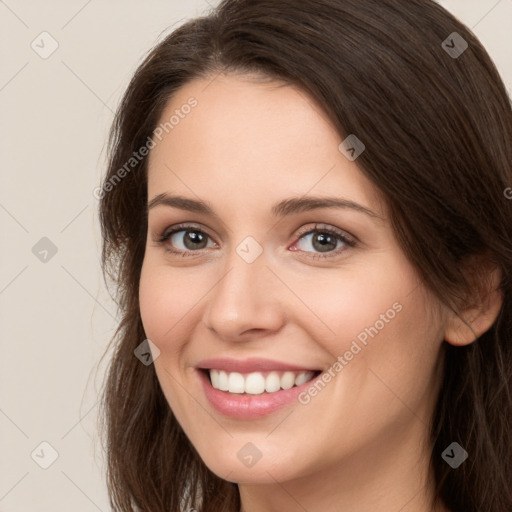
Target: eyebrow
(281, 209)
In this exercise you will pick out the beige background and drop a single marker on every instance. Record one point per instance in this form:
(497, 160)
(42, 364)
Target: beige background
(55, 315)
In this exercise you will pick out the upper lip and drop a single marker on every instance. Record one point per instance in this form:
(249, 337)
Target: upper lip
(249, 365)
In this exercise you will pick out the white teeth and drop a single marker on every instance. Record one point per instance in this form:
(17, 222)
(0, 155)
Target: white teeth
(236, 383)
(256, 383)
(223, 381)
(272, 382)
(214, 377)
(288, 380)
(301, 378)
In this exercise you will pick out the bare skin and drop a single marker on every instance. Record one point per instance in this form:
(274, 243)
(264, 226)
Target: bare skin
(360, 444)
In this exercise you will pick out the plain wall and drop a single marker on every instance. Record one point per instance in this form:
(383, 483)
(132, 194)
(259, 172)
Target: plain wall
(56, 317)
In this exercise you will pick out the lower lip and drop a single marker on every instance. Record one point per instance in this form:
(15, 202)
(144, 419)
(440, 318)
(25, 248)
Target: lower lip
(246, 406)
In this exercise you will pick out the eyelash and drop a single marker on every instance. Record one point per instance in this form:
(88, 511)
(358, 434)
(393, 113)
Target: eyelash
(166, 235)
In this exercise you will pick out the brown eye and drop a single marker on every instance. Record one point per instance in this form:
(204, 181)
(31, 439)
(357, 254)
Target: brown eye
(185, 240)
(324, 240)
(190, 239)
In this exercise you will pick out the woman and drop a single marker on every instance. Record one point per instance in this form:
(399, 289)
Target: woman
(306, 217)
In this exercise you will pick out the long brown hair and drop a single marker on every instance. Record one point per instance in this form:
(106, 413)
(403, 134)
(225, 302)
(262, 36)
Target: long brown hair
(437, 127)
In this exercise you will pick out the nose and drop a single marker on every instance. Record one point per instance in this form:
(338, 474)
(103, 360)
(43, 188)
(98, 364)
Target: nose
(246, 302)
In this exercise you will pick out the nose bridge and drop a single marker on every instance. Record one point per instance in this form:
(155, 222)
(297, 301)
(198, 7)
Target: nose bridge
(243, 298)
(241, 285)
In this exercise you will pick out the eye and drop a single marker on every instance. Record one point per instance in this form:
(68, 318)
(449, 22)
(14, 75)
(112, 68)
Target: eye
(184, 239)
(327, 241)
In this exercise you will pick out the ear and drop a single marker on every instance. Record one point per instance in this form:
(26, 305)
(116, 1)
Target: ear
(484, 309)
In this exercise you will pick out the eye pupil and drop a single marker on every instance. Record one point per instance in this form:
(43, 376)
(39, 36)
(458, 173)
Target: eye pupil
(194, 237)
(320, 238)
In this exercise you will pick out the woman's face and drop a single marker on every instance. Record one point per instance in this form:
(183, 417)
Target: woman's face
(262, 271)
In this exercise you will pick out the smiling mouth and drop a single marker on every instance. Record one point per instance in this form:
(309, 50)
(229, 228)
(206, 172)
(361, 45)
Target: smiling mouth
(258, 383)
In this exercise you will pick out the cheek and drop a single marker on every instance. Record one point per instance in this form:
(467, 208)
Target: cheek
(170, 309)
(339, 306)
(159, 308)
(163, 309)
(373, 320)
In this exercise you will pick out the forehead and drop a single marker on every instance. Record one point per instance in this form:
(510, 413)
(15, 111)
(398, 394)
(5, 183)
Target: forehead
(251, 141)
